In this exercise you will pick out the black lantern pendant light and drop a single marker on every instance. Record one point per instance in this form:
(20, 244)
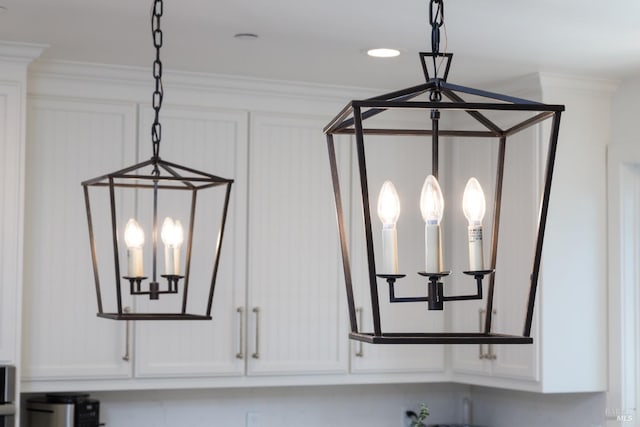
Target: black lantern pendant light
(147, 189)
(437, 97)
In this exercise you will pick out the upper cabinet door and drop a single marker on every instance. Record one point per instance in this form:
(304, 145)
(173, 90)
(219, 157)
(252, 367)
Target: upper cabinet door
(295, 280)
(10, 218)
(469, 158)
(522, 188)
(212, 141)
(516, 241)
(406, 162)
(68, 142)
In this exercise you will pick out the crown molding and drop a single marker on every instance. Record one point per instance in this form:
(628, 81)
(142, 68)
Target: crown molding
(107, 73)
(23, 53)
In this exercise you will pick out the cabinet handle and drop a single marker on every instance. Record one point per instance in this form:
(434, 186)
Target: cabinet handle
(240, 353)
(481, 312)
(256, 355)
(126, 357)
(360, 352)
(490, 355)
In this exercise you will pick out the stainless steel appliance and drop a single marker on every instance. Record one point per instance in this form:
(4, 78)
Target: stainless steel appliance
(7, 396)
(63, 410)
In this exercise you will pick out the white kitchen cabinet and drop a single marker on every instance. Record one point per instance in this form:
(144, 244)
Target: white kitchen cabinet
(11, 210)
(521, 189)
(296, 313)
(213, 141)
(406, 161)
(14, 61)
(279, 312)
(569, 328)
(292, 266)
(69, 141)
(292, 320)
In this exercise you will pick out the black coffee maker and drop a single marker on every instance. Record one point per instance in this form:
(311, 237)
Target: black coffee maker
(63, 410)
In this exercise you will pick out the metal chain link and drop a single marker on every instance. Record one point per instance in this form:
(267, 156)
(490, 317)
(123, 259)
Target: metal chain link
(436, 19)
(158, 93)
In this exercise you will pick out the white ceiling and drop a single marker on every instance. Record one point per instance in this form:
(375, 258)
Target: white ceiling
(322, 41)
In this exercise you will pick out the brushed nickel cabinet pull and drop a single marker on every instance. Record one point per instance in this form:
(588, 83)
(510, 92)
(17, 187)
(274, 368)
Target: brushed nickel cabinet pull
(360, 352)
(490, 355)
(256, 355)
(481, 312)
(126, 357)
(240, 353)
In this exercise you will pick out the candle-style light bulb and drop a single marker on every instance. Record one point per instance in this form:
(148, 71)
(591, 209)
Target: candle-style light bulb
(432, 208)
(388, 204)
(134, 239)
(431, 201)
(474, 207)
(389, 212)
(172, 236)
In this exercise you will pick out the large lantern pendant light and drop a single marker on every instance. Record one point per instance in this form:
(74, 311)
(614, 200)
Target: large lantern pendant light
(437, 98)
(155, 240)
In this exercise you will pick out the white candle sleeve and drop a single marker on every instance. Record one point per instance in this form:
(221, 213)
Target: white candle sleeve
(134, 264)
(176, 260)
(389, 250)
(433, 262)
(169, 263)
(476, 258)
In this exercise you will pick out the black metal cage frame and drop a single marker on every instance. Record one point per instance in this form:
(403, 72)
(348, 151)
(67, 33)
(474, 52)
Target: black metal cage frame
(443, 96)
(163, 176)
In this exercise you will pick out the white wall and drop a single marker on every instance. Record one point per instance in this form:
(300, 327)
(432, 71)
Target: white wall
(624, 112)
(335, 406)
(348, 406)
(507, 408)
(623, 158)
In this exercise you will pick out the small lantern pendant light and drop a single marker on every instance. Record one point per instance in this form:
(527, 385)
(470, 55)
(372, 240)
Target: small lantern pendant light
(443, 98)
(159, 184)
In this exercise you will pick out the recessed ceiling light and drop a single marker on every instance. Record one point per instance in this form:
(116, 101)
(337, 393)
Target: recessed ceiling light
(246, 36)
(383, 53)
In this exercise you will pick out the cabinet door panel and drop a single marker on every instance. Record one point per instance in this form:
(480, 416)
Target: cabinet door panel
(469, 158)
(68, 142)
(406, 161)
(294, 271)
(211, 141)
(10, 218)
(516, 248)
(515, 252)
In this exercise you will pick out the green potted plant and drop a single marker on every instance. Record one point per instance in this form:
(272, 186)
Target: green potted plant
(417, 419)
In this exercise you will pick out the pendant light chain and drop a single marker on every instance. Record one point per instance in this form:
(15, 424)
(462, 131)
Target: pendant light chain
(156, 128)
(148, 190)
(436, 19)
